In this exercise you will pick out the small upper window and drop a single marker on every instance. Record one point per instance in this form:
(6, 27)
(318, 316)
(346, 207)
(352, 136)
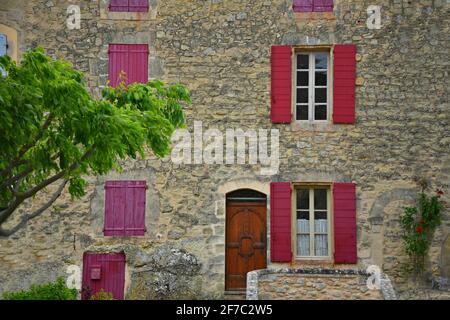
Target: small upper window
(312, 87)
(3, 50)
(128, 5)
(313, 5)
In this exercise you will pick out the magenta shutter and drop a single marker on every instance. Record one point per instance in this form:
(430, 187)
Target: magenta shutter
(103, 271)
(344, 83)
(131, 59)
(303, 5)
(125, 208)
(280, 222)
(138, 5)
(281, 89)
(128, 5)
(323, 5)
(118, 5)
(344, 202)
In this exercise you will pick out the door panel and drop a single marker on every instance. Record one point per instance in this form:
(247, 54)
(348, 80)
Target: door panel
(104, 271)
(245, 242)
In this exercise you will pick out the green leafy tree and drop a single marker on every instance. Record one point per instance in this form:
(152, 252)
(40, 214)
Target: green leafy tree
(52, 130)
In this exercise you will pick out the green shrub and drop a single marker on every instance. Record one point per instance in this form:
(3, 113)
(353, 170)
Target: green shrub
(51, 291)
(102, 295)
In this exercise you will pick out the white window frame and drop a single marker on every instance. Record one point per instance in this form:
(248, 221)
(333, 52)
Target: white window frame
(311, 85)
(311, 223)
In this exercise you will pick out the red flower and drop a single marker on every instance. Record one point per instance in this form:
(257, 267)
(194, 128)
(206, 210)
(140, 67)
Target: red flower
(439, 192)
(419, 229)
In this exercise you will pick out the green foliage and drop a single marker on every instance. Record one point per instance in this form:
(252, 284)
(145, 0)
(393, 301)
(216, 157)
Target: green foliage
(51, 291)
(102, 295)
(50, 125)
(419, 224)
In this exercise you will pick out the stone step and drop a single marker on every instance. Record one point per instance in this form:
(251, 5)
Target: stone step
(234, 295)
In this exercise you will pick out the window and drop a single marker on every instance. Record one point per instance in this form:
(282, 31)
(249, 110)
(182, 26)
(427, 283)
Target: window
(313, 6)
(128, 5)
(312, 87)
(125, 208)
(312, 222)
(3, 51)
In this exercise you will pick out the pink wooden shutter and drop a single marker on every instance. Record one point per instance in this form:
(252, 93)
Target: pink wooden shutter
(138, 5)
(137, 63)
(303, 5)
(323, 5)
(281, 84)
(131, 59)
(135, 208)
(280, 222)
(344, 202)
(125, 208)
(344, 83)
(103, 271)
(118, 5)
(115, 195)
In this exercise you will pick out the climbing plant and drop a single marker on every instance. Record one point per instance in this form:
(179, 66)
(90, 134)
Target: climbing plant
(419, 224)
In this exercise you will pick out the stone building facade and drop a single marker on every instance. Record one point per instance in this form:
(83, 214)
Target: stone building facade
(221, 50)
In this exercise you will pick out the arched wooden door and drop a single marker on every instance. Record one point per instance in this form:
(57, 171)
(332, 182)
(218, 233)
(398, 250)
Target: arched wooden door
(246, 237)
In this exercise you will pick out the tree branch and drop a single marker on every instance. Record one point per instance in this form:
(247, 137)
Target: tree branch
(20, 197)
(28, 217)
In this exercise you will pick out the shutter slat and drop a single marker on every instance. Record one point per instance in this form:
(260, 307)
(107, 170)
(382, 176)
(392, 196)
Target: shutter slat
(281, 86)
(280, 222)
(344, 202)
(344, 83)
(303, 6)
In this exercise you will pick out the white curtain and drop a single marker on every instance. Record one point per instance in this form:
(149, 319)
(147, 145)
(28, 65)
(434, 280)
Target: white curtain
(321, 240)
(303, 239)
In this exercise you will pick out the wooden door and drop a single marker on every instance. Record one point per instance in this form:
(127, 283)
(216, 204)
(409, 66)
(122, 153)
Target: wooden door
(103, 271)
(245, 242)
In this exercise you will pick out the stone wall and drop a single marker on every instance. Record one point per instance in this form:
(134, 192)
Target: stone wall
(313, 284)
(220, 49)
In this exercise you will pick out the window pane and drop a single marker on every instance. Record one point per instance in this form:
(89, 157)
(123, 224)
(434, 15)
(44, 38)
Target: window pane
(302, 112)
(321, 61)
(302, 78)
(320, 199)
(321, 95)
(302, 95)
(303, 199)
(303, 222)
(321, 245)
(303, 245)
(303, 61)
(320, 112)
(320, 222)
(321, 78)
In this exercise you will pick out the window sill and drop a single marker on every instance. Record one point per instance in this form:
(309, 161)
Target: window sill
(311, 16)
(326, 262)
(313, 126)
(111, 15)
